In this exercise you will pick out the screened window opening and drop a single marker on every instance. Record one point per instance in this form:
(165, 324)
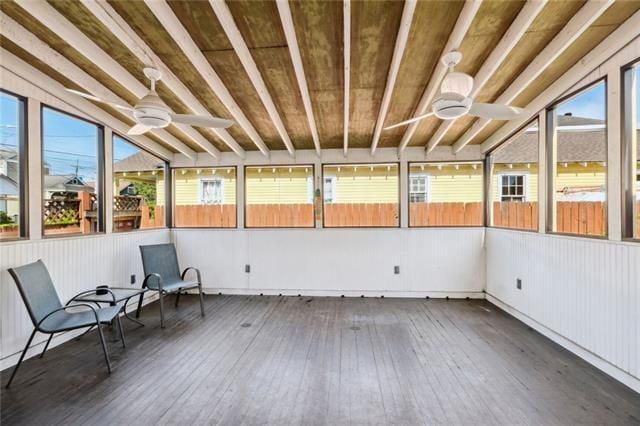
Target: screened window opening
(579, 172)
(631, 152)
(71, 168)
(138, 188)
(445, 194)
(205, 197)
(361, 195)
(12, 194)
(514, 181)
(279, 197)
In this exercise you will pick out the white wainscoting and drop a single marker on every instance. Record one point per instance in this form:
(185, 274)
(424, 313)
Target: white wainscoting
(75, 264)
(353, 262)
(583, 293)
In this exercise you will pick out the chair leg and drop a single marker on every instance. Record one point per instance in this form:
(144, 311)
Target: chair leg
(201, 300)
(104, 348)
(161, 298)
(15, 369)
(46, 345)
(139, 306)
(178, 296)
(121, 331)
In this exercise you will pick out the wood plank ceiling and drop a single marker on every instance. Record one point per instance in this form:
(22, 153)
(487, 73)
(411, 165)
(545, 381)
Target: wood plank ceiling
(319, 31)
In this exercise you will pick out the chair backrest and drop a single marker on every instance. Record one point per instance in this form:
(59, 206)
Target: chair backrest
(37, 290)
(160, 259)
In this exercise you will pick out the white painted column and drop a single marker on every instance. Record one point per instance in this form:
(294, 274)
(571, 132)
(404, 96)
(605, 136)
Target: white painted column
(614, 139)
(108, 180)
(542, 173)
(318, 184)
(34, 152)
(404, 194)
(240, 196)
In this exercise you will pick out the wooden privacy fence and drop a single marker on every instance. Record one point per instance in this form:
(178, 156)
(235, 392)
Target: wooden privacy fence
(581, 217)
(445, 214)
(361, 214)
(279, 215)
(205, 215)
(516, 215)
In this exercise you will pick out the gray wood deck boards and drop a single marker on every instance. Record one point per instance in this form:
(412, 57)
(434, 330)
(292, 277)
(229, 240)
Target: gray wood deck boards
(309, 360)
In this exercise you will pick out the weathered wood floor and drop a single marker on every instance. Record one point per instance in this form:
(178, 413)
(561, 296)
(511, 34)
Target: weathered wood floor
(284, 360)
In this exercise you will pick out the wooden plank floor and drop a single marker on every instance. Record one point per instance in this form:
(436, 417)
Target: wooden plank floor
(309, 360)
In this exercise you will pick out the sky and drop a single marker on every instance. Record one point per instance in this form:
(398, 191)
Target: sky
(589, 104)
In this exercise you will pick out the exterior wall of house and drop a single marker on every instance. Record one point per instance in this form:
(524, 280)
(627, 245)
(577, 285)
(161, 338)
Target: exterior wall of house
(447, 184)
(579, 176)
(279, 185)
(361, 184)
(187, 184)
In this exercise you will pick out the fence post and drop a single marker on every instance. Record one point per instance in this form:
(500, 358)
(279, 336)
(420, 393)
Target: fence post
(85, 205)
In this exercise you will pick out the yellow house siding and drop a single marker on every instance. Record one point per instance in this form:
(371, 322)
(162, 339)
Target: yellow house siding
(359, 184)
(577, 175)
(266, 186)
(187, 185)
(446, 184)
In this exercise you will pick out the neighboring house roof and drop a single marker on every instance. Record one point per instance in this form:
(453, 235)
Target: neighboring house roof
(65, 183)
(141, 161)
(577, 145)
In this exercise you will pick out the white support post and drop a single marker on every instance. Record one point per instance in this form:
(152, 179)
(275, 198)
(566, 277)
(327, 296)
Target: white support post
(240, 202)
(34, 152)
(318, 185)
(108, 180)
(542, 173)
(404, 194)
(614, 139)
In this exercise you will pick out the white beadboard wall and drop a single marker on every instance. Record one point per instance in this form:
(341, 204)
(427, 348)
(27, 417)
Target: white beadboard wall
(583, 293)
(433, 262)
(75, 264)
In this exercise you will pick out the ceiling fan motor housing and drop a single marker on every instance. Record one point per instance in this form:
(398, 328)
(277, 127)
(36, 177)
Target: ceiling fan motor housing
(152, 112)
(451, 105)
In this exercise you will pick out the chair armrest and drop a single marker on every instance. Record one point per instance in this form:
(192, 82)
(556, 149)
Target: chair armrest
(184, 273)
(153, 275)
(64, 308)
(82, 293)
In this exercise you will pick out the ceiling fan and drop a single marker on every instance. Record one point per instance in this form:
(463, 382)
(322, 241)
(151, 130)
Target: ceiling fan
(454, 100)
(151, 112)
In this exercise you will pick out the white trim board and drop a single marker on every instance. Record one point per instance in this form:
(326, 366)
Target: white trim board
(593, 359)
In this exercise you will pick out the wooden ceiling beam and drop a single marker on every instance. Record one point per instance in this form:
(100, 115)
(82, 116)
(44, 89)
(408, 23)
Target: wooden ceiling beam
(463, 23)
(56, 22)
(394, 67)
(123, 32)
(294, 50)
(346, 17)
(162, 11)
(511, 37)
(615, 41)
(28, 72)
(561, 42)
(234, 35)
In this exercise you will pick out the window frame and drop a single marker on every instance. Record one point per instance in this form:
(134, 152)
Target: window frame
(201, 182)
(167, 181)
(100, 174)
(171, 194)
(525, 182)
(482, 195)
(427, 186)
(332, 183)
(267, 166)
(630, 181)
(551, 150)
(373, 163)
(23, 167)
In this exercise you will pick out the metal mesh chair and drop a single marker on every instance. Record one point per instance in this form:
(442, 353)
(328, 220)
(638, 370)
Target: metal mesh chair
(49, 316)
(162, 274)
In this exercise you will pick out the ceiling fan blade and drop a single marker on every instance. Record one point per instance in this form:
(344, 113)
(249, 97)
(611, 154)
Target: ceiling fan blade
(202, 121)
(411, 120)
(97, 99)
(495, 111)
(138, 129)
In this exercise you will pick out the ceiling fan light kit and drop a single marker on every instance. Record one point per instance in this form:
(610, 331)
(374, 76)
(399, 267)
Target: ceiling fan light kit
(151, 112)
